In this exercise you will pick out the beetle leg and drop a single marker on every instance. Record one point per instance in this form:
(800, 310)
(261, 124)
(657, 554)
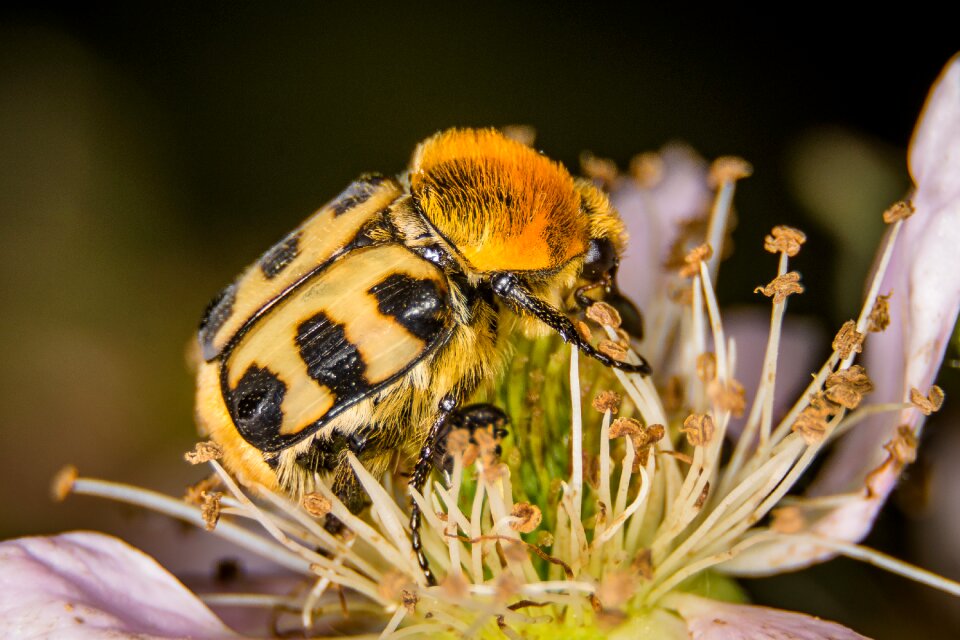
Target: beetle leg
(508, 287)
(438, 430)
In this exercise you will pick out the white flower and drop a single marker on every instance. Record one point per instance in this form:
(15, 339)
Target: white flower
(590, 524)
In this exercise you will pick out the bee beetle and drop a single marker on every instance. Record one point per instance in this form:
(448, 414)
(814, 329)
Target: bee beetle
(368, 327)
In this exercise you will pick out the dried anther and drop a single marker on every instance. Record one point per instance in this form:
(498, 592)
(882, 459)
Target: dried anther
(647, 169)
(811, 424)
(457, 442)
(194, 493)
(210, 508)
(903, 447)
(204, 452)
(898, 211)
(613, 349)
(781, 287)
(603, 314)
(848, 340)
(525, 134)
(315, 504)
(729, 396)
(409, 599)
(625, 427)
(706, 367)
(728, 169)
(584, 330)
(699, 429)
(693, 259)
(528, 515)
(604, 170)
(62, 483)
(786, 240)
(848, 386)
(880, 314)
(927, 404)
(673, 394)
(607, 401)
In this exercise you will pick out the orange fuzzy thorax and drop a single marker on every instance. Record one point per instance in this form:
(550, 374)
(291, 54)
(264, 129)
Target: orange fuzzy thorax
(503, 206)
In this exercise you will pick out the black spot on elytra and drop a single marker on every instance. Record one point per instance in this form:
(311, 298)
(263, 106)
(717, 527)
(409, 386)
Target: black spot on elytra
(254, 405)
(417, 305)
(357, 193)
(280, 255)
(214, 317)
(331, 359)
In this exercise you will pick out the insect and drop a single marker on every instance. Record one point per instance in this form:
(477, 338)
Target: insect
(369, 327)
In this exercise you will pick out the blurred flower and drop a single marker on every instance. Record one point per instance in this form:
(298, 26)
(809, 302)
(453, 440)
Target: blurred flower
(622, 519)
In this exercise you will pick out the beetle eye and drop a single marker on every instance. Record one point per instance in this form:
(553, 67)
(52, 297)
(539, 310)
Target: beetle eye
(600, 259)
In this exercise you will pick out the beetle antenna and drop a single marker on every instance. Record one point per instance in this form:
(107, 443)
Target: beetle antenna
(508, 287)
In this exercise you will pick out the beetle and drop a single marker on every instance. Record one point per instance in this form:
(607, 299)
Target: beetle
(368, 327)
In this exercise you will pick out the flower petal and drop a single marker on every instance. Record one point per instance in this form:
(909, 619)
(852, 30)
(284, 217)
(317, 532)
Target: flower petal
(653, 216)
(714, 620)
(89, 585)
(749, 328)
(924, 277)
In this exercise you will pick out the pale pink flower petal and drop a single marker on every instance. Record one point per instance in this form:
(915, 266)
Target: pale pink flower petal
(713, 620)
(749, 328)
(653, 216)
(90, 586)
(924, 276)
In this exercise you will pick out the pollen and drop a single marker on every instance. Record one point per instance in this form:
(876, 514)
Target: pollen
(63, 481)
(848, 386)
(527, 516)
(812, 424)
(879, 318)
(647, 169)
(194, 493)
(848, 340)
(699, 428)
(625, 427)
(584, 330)
(781, 287)
(204, 452)
(903, 447)
(210, 508)
(604, 314)
(927, 404)
(706, 367)
(698, 254)
(785, 240)
(315, 504)
(607, 401)
(729, 396)
(898, 211)
(728, 169)
(613, 349)
(603, 170)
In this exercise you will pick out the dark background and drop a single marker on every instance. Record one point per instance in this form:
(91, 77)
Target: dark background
(148, 153)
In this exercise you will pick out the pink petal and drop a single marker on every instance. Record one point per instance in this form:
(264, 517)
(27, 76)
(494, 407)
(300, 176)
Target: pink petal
(713, 620)
(749, 328)
(924, 276)
(89, 585)
(653, 216)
